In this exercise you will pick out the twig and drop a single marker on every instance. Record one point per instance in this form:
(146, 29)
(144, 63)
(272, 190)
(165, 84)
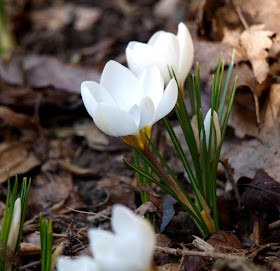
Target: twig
(30, 265)
(253, 254)
(88, 213)
(186, 252)
(79, 231)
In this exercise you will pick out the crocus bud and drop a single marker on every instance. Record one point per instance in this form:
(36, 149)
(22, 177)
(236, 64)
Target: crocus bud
(166, 50)
(217, 133)
(15, 225)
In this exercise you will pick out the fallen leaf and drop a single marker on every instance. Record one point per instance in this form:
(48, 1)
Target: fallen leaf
(224, 241)
(147, 207)
(45, 71)
(27, 249)
(271, 113)
(18, 120)
(257, 42)
(118, 189)
(194, 263)
(207, 54)
(56, 17)
(76, 170)
(16, 158)
(249, 156)
(261, 194)
(49, 192)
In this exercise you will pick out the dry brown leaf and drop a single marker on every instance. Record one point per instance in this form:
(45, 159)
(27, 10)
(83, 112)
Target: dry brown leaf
(266, 12)
(256, 41)
(16, 158)
(45, 71)
(207, 54)
(50, 192)
(56, 17)
(27, 249)
(249, 156)
(18, 120)
(271, 116)
(76, 170)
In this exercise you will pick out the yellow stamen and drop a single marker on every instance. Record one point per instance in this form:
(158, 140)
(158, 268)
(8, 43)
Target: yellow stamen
(139, 141)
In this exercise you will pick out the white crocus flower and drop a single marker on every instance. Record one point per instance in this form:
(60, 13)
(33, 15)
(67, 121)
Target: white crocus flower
(166, 50)
(217, 133)
(15, 225)
(129, 247)
(127, 106)
(82, 264)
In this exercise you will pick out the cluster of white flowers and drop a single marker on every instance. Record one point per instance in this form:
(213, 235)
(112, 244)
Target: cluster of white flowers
(127, 102)
(129, 247)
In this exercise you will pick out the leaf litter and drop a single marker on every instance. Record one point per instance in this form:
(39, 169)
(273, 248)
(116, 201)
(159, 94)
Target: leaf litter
(47, 135)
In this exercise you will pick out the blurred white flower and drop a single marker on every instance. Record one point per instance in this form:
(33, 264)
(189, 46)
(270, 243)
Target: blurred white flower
(217, 132)
(127, 106)
(166, 50)
(82, 264)
(15, 225)
(129, 247)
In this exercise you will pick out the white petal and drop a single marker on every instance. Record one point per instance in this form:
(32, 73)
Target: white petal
(121, 83)
(139, 56)
(81, 263)
(167, 102)
(125, 223)
(207, 126)
(151, 84)
(100, 241)
(147, 112)
(167, 47)
(105, 247)
(15, 225)
(135, 113)
(129, 248)
(155, 36)
(92, 94)
(186, 52)
(114, 121)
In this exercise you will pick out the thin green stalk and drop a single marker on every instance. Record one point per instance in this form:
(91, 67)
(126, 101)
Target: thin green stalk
(185, 123)
(224, 92)
(191, 94)
(140, 177)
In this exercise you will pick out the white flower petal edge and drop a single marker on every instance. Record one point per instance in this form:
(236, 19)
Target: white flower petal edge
(186, 45)
(164, 49)
(15, 225)
(114, 121)
(167, 101)
(131, 246)
(81, 263)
